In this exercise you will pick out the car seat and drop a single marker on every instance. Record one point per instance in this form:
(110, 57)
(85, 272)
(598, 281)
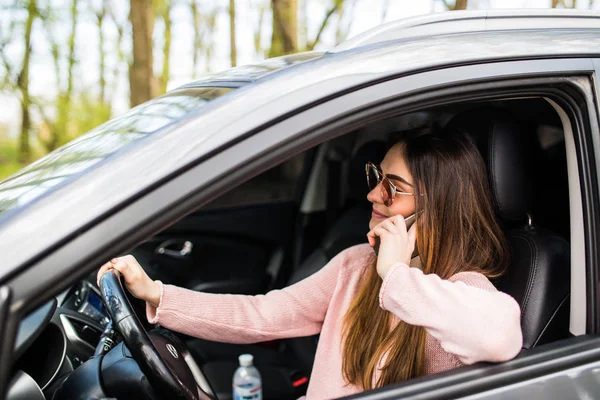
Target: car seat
(538, 276)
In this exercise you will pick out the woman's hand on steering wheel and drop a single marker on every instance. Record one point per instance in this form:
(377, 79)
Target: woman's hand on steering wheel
(137, 281)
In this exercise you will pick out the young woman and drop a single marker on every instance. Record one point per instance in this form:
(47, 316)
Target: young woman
(388, 317)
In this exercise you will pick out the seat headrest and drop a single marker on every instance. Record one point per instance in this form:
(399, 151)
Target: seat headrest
(373, 151)
(508, 151)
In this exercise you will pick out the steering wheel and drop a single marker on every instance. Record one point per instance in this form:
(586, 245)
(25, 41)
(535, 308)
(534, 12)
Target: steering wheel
(162, 357)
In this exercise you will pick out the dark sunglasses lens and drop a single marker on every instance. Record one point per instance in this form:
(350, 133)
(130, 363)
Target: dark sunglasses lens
(372, 177)
(386, 193)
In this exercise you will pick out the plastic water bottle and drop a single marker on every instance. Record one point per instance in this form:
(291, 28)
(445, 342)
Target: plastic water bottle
(247, 384)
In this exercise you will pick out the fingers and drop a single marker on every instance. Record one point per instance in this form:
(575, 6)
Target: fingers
(101, 272)
(378, 231)
(371, 239)
(393, 225)
(121, 264)
(398, 222)
(105, 267)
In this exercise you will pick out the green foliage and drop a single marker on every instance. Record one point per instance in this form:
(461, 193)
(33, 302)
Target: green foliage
(8, 158)
(9, 155)
(90, 113)
(9, 168)
(85, 113)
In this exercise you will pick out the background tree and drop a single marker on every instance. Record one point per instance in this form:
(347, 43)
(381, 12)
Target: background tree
(232, 44)
(197, 27)
(258, 47)
(142, 85)
(204, 26)
(119, 26)
(163, 11)
(284, 39)
(567, 3)
(100, 15)
(458, 5)
(336, 7)
(64, 101)
(23, 83)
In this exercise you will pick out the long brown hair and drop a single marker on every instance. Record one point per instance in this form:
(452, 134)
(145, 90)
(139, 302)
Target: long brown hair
(457, 231)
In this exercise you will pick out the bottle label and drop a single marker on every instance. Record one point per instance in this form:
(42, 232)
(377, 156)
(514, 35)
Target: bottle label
(247, 392)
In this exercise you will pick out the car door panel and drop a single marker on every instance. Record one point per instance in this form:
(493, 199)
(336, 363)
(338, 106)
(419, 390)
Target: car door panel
(221, 251)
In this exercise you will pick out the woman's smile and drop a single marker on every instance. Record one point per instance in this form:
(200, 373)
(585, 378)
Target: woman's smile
(376, 214)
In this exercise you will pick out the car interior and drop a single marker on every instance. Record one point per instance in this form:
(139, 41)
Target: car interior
(288, 222)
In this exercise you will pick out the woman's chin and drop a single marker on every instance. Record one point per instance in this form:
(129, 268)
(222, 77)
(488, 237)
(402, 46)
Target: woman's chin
(373, 223)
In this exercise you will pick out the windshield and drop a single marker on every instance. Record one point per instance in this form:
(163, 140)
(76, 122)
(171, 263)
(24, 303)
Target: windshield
(79, 155)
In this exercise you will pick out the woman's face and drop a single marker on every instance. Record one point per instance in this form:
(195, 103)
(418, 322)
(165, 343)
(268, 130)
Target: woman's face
(395, 168)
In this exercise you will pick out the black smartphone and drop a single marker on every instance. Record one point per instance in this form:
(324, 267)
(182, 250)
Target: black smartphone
(408, 220)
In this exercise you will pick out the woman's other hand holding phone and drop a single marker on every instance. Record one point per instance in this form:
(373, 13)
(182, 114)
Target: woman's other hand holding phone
(137, 281)
(396, 243)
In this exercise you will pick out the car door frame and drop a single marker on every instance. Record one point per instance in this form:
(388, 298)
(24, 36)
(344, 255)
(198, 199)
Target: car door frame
(157, 209)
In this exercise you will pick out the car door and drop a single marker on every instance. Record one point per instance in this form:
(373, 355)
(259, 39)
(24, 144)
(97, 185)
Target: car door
(254, 223)
(176, 197)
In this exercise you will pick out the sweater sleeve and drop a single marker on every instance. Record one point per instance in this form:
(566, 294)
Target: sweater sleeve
(297, 310)
(466, 314)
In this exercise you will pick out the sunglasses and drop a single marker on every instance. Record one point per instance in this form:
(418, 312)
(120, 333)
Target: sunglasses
(388, 190)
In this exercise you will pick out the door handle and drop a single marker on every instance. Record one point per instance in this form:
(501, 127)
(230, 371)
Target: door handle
(175, 249)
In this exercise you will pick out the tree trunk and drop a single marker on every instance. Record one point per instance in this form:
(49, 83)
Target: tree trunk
(166, 17)
(303, 39)
(23, 84)
(100, 23)
(141, 78)
(460, 5)
(210, 24)
(285, 27)
(120, 53)
(232, 33)
(71, 60)
(64, 99)
(47, 137)
(197, 36)
(258, 49)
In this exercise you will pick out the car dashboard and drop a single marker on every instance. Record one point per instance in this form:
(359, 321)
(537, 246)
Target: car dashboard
(55, 340)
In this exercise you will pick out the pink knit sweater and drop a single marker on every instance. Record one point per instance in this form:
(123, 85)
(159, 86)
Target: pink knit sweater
(466, 318)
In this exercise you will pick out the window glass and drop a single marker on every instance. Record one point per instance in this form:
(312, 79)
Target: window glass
(280, 183)
(81, 154)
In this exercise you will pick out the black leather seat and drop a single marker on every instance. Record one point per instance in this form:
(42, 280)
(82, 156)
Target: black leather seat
(539, 273)
(284, 366)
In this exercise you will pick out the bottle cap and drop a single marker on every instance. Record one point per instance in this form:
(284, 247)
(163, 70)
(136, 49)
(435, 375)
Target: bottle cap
(246, 360)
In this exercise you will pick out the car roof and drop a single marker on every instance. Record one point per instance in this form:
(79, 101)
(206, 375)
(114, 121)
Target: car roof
(474, 21)
(134, 169)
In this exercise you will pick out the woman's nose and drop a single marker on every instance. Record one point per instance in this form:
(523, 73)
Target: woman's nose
(374, 196)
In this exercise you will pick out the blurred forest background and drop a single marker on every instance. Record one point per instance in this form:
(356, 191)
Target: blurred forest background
(67, 66)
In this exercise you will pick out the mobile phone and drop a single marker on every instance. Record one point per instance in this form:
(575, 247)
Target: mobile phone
(408, 220)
